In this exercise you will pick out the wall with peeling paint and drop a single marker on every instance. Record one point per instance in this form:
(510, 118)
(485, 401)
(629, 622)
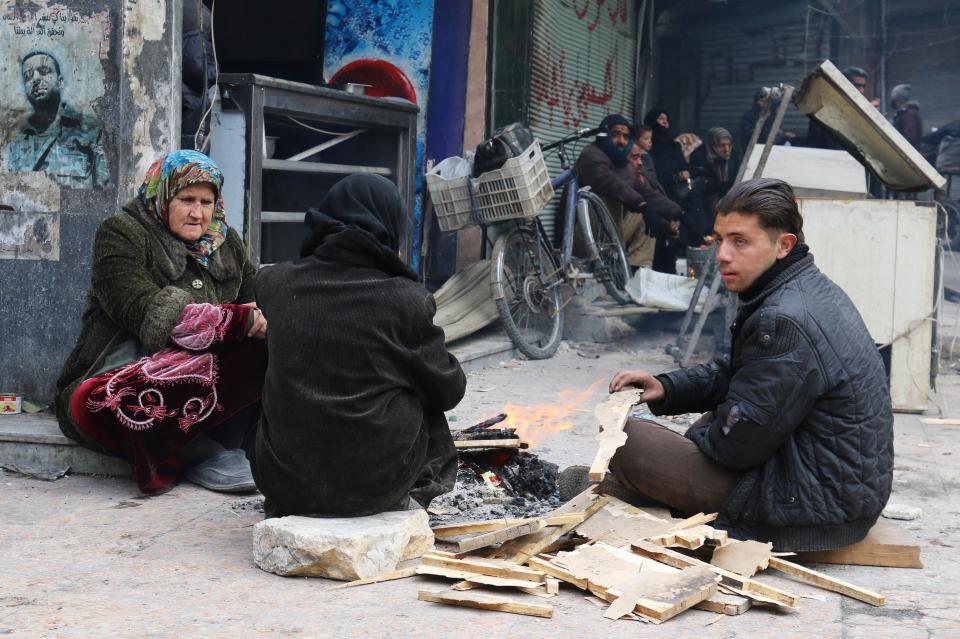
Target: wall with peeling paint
(115, 67)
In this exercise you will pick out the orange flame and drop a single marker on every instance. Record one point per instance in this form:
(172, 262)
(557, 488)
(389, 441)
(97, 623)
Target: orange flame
(538, 422)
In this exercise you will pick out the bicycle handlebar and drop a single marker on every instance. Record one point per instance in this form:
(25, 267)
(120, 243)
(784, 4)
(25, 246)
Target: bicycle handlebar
(577, 135)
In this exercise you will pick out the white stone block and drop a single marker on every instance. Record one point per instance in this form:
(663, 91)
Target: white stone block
(902, 511)
(340, 548)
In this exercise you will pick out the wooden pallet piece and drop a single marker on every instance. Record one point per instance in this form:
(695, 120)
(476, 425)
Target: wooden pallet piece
(618, 526)
(478, 527)
(519, 550)
(402, 573)
(692, 522)
(482, 601)
(691, 538)
(501, 536)
(827, 582)
(474, 578)
(885, 545)
(745, 584)
(645, 587)
(488, 567)
(612, 416)
(486, 443)
(725, 604)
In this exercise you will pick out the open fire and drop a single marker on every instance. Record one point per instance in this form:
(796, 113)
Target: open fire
(536, 423)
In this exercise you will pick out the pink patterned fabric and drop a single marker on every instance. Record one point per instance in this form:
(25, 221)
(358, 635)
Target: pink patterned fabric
(149, 409)
(201, 325)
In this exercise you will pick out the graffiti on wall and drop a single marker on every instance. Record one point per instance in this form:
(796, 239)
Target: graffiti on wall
(51, 75)
(578, 91)
(386, 33)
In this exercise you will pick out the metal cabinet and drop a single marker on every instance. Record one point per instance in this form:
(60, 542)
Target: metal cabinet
(297, 141)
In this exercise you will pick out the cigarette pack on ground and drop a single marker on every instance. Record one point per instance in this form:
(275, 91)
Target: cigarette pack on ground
(9, 404)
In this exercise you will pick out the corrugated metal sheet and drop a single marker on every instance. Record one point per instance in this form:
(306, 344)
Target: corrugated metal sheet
(740, 57)
(582, 67)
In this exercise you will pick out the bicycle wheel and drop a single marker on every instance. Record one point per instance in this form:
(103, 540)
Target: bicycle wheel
(525, 282)
(605, 248)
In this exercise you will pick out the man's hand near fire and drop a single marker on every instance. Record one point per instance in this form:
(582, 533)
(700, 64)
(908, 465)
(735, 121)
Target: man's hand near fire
(650, 385)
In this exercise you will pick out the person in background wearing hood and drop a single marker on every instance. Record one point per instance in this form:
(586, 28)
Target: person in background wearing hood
(657, 202)
(717, 163)
(604, 166)
(907, 119)
(359, 377)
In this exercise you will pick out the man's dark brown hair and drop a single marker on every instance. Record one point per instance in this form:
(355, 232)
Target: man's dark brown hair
(772, 201)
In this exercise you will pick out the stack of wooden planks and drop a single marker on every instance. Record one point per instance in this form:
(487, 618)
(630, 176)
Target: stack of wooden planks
(639, 564)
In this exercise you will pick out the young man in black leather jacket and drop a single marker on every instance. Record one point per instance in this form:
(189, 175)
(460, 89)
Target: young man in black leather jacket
(796, 446)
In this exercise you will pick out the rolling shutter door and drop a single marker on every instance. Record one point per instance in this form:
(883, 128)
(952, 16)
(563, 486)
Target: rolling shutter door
(740, 57)
(582, 68)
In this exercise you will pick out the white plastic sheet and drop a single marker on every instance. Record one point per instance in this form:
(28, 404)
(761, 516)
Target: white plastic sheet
(662, 290)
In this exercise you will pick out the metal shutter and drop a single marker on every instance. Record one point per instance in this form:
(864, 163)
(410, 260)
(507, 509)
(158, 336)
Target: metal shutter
(582, 67)
(741, 56)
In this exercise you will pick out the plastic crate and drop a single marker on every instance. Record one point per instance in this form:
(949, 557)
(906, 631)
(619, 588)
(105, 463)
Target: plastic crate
(519, 189)
(450, 196)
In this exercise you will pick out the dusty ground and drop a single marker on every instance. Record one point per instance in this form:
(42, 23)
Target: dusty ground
(86, 557)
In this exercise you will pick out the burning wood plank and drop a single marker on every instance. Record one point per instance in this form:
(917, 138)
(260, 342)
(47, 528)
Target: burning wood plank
(488, 443)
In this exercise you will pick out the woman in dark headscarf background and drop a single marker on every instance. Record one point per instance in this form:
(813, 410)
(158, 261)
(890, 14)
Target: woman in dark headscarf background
(359, 377)
(673, 173)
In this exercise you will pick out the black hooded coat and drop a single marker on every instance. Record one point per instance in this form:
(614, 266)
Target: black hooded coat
(358, 376)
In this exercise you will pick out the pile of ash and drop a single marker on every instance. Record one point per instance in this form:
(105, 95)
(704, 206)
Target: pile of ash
(492, 485)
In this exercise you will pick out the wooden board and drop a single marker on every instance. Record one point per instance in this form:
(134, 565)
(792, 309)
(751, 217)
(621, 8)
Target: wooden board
(482, 566)
(692, 538)
(940, 421)
(747, 585)
(482, 601)
(745, 558)
(615, 526)
(519, 550)
(473, 578)
(827, 582)
(725, 604)
(486, 443)
(636, 584)
(499, 536)
(477, 527)
(612, 416)
(885, 545)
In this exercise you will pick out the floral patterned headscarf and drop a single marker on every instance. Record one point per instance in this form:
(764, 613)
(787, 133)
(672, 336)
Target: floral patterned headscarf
(174, 172)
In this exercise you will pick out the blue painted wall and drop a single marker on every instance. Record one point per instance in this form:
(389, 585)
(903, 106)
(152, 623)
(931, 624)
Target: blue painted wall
(400, 32)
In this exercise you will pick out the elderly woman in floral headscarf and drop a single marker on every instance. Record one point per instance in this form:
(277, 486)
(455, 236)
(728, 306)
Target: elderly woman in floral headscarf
(168, 369)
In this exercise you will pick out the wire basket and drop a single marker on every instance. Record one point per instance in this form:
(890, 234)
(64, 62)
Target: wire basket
(519, 189)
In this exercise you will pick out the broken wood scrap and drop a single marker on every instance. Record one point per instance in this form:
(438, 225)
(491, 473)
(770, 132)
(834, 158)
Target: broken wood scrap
(482, 601)
(939, 421)
(402, 573)
(745, 558)
(827, 582)
(692, 538)
(631, 582)
(521, 528)
(696, 520)
(521, 549)
(485, 424)
(487, 443)
(612, 416)
(474, 578)
(499, 536)
(747, 585)
(617, 526)
(885, 545)
(725, 604)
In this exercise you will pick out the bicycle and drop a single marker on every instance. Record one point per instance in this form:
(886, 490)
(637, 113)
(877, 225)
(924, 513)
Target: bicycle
(528, 272)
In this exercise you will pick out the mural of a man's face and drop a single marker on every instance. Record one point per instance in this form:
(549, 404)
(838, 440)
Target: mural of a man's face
(42, 82)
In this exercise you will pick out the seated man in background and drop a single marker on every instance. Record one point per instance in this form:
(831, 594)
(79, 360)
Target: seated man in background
(797, 446)
(605, 167)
